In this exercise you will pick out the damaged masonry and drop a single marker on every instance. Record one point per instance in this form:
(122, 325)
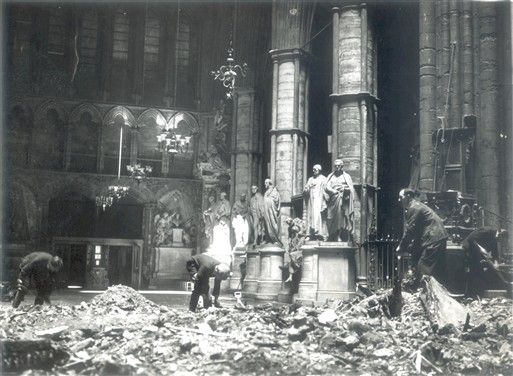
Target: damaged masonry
(254, 187)
(121, 332)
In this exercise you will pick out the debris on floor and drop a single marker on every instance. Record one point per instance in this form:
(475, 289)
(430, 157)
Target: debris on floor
(121, 332)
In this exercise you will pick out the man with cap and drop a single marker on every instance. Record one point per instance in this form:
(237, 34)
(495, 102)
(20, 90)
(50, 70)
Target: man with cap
(37, 270)
(424, 236)
(201, 267)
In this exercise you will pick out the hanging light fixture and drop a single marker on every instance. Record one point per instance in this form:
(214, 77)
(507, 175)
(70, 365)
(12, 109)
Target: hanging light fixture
(104, 201)
(228, 73)
(138, 172)
(173, 143)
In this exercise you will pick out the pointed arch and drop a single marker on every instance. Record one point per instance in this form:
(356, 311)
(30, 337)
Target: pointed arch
(179, 117)
(85, 107)
(50, 104)
(154, 114)
(110, 117)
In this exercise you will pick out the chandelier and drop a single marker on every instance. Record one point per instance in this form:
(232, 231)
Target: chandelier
(228, 73)
(104, 201)
(171, 142)
(138, 172)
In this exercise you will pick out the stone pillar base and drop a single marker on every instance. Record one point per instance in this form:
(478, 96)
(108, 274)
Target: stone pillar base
(250, 284)
(269, 282)
(239, 255)
(329, 272)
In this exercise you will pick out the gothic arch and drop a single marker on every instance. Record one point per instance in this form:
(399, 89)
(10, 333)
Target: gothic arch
(114, 112)
(85, 107)
(154, 114)
(42, 110)
(188, 118)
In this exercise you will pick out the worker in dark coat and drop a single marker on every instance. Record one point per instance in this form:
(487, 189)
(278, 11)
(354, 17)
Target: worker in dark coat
(201, 267)
(424, 237)
(37, 270)
(481, 248)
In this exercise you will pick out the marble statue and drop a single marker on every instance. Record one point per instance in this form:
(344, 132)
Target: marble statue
(339, 194)
(315, 204)
(256, 216)
(272, 222)
(240, 224)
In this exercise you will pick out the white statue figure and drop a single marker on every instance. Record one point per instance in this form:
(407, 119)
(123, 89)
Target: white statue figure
(240, 212)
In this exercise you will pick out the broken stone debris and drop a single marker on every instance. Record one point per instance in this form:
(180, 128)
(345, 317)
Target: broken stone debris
(121, 332)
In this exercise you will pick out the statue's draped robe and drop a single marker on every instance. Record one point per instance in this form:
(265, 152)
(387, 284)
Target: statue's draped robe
(340, 205)
(221, 248)
(315, 204)
(272, 215)
(256, 214)
(240, 213)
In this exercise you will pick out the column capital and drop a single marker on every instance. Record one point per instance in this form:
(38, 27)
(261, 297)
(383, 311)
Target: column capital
(289, 54)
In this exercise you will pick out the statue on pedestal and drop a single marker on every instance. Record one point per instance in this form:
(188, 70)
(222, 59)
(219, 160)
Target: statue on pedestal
(272, 222)
(256, 216)
(220, 247)
(240, 214)
(339, 194)
(313, 194)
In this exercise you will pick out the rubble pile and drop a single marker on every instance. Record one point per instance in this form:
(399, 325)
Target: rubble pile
(121, 332)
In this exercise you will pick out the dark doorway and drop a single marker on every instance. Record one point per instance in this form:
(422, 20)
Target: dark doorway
(74, 257)
(120, 265)
(398, 87)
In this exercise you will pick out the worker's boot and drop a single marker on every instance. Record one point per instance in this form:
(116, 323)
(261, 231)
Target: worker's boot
(217, 304)
(39, 300)
(194, 302)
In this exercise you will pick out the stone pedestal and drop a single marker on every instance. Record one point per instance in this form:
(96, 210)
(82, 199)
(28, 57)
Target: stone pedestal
(239, 255)
(269, 281)
(329, 272)
(250, 284)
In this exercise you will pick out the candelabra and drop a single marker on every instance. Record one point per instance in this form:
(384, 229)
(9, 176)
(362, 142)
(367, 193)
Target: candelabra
(138, 172)
(173, 143)
(104, 201)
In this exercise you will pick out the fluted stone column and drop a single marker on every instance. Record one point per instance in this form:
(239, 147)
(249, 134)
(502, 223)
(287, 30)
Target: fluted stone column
(427, 110)
(354, 111)
(487, 136)
(247, 143)
(148, 251)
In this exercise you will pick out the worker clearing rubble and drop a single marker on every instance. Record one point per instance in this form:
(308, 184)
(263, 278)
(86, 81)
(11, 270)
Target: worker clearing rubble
(424, 237)
(37, 270)
(201, 267)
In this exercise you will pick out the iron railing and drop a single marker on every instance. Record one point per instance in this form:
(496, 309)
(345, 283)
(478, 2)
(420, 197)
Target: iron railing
(384, 262)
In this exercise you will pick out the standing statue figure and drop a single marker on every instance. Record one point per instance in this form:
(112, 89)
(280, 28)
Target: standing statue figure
(256, 216)
(339, 194)
(240, 213)
(209, 219)
(221, 248)
(313, 194)
(272, 223)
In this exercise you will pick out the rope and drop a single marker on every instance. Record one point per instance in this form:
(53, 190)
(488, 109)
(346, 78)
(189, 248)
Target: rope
(316, 35)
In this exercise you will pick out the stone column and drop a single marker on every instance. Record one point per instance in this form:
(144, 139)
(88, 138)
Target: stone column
(427, 72)
(289, 133)
(291, 28)
(354, 111)
(246, 142)
(487, 150)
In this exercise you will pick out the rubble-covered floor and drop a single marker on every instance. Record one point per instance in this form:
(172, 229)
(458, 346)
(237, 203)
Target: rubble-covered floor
(121, 332)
